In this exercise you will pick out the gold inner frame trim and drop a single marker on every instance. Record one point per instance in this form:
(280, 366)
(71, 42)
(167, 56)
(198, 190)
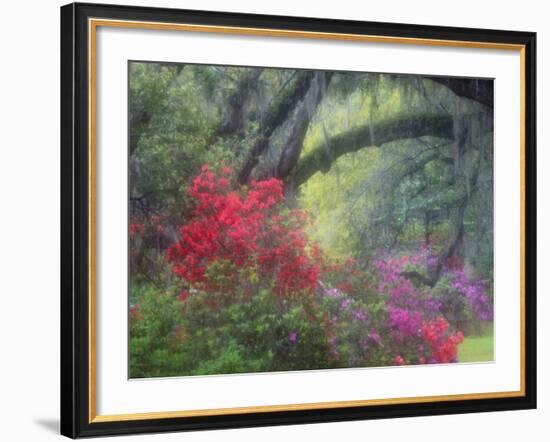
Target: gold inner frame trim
(93, 24)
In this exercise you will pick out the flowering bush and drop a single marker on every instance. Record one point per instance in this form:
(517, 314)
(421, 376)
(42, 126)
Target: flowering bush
(442, 343)
(474, 292)
(251, 230)
(465, 301)
(252, 293)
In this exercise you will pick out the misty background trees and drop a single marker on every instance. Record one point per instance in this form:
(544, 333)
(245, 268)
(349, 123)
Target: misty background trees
(382, 162)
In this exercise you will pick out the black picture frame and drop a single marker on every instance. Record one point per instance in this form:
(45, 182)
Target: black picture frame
(75, 221)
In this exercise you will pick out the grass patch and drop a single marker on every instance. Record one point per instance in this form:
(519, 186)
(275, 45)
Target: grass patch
(477, 348)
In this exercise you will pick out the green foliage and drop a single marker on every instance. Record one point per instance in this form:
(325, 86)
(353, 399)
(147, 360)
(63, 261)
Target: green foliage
(155, 347)
(208, 338)
(174, 122)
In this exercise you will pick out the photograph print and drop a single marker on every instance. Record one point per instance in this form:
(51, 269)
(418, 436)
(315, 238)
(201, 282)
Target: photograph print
(291, 219)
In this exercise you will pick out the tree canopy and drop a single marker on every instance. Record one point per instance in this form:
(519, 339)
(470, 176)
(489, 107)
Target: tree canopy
(380, 160)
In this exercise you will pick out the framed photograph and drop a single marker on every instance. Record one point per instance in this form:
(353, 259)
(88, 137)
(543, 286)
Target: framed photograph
(278, 220)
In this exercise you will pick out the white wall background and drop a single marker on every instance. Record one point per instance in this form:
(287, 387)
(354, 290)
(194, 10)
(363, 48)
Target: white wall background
(29, 220)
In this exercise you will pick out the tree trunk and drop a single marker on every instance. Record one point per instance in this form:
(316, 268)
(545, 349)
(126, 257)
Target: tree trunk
(275, 117)
(300, 124)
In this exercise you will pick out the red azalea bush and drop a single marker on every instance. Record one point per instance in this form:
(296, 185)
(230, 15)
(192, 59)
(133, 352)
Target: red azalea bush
(250, 229)
(442, 342)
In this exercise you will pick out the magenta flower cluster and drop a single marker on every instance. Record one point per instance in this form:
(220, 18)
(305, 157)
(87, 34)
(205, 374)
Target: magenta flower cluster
(407, 306)
(404, 323)
(475, 293)
(418, 324)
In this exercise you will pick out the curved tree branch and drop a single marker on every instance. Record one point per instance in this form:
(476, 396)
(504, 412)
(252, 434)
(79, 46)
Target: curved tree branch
(397, 128)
